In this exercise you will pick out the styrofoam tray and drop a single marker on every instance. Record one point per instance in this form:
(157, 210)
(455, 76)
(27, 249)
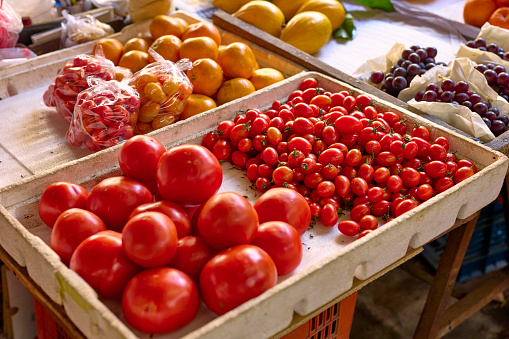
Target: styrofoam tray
(331, 260)
(32, 135)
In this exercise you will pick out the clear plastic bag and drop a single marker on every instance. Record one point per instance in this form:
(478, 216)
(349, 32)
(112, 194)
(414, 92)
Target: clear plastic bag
(72, 79)
(104, 115)
(10, 26)
(82, 28)
(163, 87)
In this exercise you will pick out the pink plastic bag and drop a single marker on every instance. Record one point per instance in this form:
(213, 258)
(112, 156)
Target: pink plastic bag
(104, 115)
(10, 26)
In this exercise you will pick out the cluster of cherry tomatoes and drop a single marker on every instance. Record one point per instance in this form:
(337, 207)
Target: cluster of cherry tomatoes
(339, 151)
(160, 238)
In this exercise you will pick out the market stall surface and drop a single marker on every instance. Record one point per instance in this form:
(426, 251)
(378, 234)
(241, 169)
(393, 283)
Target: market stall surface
(390, 307)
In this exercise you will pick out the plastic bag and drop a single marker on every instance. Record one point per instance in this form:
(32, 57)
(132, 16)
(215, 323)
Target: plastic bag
(82, 28)
(10, 26)
(163, 87)
(104, 115)
(458, 116)
(140, 10)
(72, 79)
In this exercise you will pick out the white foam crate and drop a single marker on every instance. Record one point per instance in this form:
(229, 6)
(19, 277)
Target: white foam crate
(331, 260)
(32, 135)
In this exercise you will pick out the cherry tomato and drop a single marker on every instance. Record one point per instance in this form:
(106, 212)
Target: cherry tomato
(421, 132)
(102, 263)
(192, 254)
(282, 175)
(224, 128)
(332, 156)
(394, 183)
(308, 83)
(342, 184)
(358, 186)
(385, 158)
(359, 211)
(188, 174)
(59, 197)
(442, 141)
(424, 192)
(443, 183)
(71, 228)
(463, 173)
(349, 227)
(380, 208)
(139, 156)
(404, 206)
(235, 276)
(160, 300)
(300, 144)
(209, 140)
(283, 204)
(113, 199)
(347, 124)
(436, 168)
(282, 243)
(262, 184)
(368, 222)
(227, 219)
(410, 176)
(329, 215)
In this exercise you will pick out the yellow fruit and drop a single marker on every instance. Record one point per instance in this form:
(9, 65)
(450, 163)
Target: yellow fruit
(263, 15)
(288, 7)
(237, 60)
(196, 104)
(264, 77)
(307, 31)
(333, 9)
(229, 6)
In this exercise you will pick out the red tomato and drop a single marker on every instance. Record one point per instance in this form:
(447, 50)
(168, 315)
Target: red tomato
(139, 156)
(300, 144)
(359, 211)
(150, 239)
(227, 219)
(58, 197)
(329, 215)
(368, 222)
(282, 243)
(349, 228)
(404, 206)
(102, 263)
(192, 254)
(160, 300)
(113, 200)
(342, 184)
(463, 173)
(308, 83)
(174, 211)
(235, 276)
(71, 228)
(358, 186)
(332, 156)
(188, 174)
(283, 204)
(348, 124)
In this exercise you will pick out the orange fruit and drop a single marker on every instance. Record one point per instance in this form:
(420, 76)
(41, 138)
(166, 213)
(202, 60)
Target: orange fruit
(196, 104)
(264, 77)
(137, 44)
(202, 28)
(134, 60)
(112, 49)
(206, 76)
(183, 22)
(198, 48)
(167, 46)
(500, 17)
(233, 89)
(477, 12)
(237, 61)
(166, 25)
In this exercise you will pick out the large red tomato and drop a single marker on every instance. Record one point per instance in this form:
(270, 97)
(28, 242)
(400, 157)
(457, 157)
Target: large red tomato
(71, 228)
(235, 276)
(282, 242)
(227, 219)
(284, 204)
(139, 156)
(113, 200)
(102, 263)
(58, 197)
(188, 174)
(176, 213)
(160, 300)
(192, 254)
(150, 239)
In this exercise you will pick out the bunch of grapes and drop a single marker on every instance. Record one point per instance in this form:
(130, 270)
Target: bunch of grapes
(497, 77)
(460, 94)
(413, 62)
(482, 45)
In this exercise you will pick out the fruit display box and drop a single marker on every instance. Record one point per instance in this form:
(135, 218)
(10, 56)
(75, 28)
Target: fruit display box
(32, 135)
(312, 63)
(331, 262)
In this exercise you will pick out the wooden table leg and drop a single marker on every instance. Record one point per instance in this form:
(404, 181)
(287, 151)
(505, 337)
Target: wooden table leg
(445, 278)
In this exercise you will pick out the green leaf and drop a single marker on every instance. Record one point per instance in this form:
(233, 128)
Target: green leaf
(347, 29)
(384, 5)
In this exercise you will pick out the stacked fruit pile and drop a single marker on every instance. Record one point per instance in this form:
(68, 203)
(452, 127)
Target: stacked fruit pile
(339, 151)
(478, 12)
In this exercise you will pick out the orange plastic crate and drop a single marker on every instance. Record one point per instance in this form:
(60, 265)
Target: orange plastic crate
(333, 323)
(47, 327)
